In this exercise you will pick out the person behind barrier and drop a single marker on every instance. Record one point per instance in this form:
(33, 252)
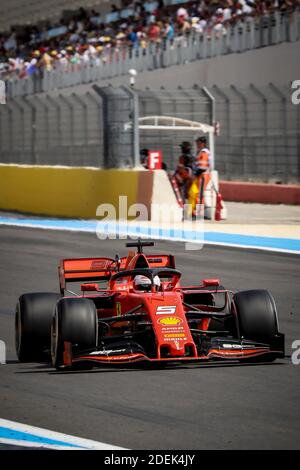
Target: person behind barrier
(184, 171)
(202, 159)
(202, 168)
(186, 157)
(144, 154)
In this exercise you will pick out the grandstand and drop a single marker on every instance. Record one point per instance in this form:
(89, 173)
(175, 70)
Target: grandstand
(86, 45)
(30, 12)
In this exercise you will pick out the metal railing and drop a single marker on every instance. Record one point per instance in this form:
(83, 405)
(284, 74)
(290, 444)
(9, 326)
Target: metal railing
(245, 35)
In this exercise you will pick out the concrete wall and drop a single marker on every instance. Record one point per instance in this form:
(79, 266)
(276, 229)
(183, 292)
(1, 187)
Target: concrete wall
(63, 191)
(239, 191)
(278, 64)
(77, 192)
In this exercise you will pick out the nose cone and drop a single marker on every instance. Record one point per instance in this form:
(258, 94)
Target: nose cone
(173, 336)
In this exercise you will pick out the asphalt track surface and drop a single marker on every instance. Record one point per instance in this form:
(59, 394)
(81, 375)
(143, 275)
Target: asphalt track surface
(186, 407)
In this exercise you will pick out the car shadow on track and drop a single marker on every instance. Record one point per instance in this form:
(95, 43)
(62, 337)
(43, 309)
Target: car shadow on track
(45, 369)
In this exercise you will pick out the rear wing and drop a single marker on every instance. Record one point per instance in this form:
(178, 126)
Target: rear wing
(101, 269)
(85, 269)
(154, 261)
(161, 261)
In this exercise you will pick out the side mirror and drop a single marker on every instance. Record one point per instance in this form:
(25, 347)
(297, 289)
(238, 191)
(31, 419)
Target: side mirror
(89, 287)
(211, 282)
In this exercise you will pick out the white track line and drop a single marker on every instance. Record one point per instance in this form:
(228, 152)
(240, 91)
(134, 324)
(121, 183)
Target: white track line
(27, 430)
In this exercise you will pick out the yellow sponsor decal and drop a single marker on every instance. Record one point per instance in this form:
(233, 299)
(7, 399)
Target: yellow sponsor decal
(170, 321)
(174, 335)
(118, 309)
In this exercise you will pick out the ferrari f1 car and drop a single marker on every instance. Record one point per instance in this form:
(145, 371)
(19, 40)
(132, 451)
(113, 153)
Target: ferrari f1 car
(143, 314)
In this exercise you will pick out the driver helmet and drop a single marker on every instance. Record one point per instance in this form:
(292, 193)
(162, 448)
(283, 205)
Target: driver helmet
(143, 283)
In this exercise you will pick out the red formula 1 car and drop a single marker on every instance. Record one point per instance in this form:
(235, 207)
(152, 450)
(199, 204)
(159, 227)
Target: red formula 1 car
(143, 314)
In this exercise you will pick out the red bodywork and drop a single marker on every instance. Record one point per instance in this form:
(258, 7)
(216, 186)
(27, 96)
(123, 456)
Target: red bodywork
(166, 314)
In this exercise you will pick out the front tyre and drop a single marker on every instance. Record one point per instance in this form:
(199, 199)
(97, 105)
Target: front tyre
(258, 320)
(75, 322)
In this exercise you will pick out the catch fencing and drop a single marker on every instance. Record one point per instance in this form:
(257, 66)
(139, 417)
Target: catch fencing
(259, 129)
(259, 134)
(53, 130)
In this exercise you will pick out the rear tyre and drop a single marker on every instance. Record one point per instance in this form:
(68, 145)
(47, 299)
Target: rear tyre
(257, 319)
(75, 321)
(34, 314)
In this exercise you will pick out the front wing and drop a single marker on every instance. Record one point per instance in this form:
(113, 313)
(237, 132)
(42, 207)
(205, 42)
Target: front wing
(225, 352)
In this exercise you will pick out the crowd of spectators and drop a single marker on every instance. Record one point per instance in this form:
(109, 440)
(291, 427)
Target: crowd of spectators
(85, 35)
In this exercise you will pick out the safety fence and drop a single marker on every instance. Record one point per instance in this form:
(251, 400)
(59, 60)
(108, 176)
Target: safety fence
(68, 129)
(259, 134)
(259, 129)
(270, 29)
(61, 130)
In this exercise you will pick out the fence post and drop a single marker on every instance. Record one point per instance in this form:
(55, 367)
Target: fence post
(69, 105)
(245, 105)
(91, 97)
(135, 121)
(85, 108)
(104, 97)
(58, 112)
(261, 96)
(228, 127)
(212, 122)
(9, 111)
(21, 109)
(46, 109)
(227, 101)
(33, 130)
(45, 80)
(283, 114)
